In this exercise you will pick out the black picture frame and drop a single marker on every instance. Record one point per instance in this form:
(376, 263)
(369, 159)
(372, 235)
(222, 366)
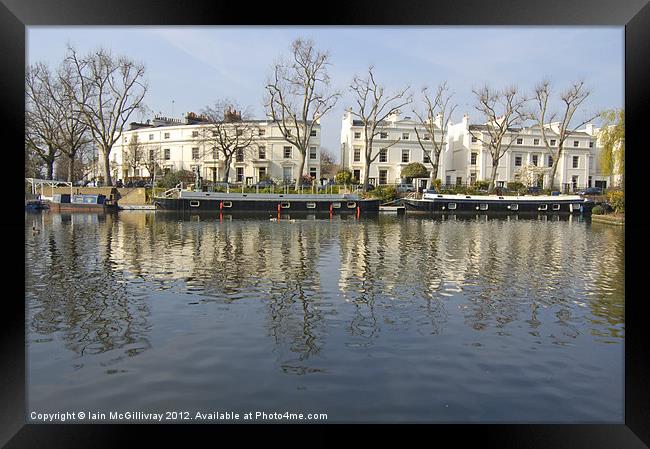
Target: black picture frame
(16, 15)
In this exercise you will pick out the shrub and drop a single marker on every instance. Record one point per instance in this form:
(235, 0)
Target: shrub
(617, 199)
(516, 185)
(437, 184)
(172, 178)
(414, 170)
(344, 176)
(385, 193)
(482, 185)
(598, 210)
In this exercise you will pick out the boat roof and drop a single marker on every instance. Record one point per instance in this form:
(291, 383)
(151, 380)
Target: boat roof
(462, 196)
(266, 196)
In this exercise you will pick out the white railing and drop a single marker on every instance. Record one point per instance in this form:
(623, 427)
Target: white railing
(169, 193)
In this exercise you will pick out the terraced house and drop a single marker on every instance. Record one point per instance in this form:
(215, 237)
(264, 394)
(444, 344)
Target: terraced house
(174, 144)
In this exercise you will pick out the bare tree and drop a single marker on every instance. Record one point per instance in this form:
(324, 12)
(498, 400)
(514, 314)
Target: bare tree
(132, 155)
(572, 98)
(42, 117)
(298, 95)
(435, 121)
(504, 113)
(373, 107)
(151, 160)
(327, 165)
(228, 130)
(111, 90)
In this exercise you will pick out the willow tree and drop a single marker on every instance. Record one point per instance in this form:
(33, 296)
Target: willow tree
(559, 126)
(298, 95)
(111, 89)
(504, 113)
(435, 120)
(373, 107)
(612, 143)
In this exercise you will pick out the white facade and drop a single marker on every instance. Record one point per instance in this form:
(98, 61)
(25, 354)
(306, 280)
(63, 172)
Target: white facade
(465, 159)
(178, 146)
(399, 142)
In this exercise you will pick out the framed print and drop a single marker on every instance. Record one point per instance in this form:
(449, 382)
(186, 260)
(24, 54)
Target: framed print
(368, 216)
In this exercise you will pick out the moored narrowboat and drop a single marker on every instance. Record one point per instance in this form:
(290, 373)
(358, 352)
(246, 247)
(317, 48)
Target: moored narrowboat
(266, 203)
(433, 202)
(85, 202)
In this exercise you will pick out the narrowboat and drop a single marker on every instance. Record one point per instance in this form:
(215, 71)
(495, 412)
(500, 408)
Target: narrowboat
(82, 202)
(433, 202)
(191, 201)
(36, 205)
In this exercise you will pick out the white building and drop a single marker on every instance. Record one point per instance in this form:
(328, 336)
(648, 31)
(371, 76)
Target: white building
(397, 145)
(175, 144)
(466, 159)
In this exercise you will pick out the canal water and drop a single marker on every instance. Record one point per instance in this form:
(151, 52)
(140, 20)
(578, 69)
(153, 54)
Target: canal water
(382, 319)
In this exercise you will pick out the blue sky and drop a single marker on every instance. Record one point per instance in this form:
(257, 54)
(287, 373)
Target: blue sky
(195, 66)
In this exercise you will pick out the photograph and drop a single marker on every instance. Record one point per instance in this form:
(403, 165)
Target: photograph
(270, 224)
(410, 221)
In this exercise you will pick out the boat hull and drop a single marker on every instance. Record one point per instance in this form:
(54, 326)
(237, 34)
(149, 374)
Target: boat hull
(505, 206)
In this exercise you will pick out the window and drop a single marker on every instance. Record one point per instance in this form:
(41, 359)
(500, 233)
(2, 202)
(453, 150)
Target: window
(352, 204)
(356, 174)
(426, 158)
(405, 136)
(336, 205)
(459, 180)
(152, 155)
(448, 179)
(166, 135)
(517, 161)
(552, 142)
(312, 172)
(313, 133)
(520, 141)
(383, 135)
(383, 155)
(261, 132)
(474, 139)
(451, 206)
(311, 205)
(574, 182)
(357, 155)
(483, 206)
(285, 205)
(535, 141)
(312, 153)
(576, 143)
(550, 161)
(591, 144)
(405, 155)
(427, 137)
(227, 203)
(195, 153)
(473, 159)
(576, 161)
(194, 203)
(239, 156)
(514, 207)
(136, 172)
(287, 152)
(357, 135)
(240, 174)
(195, 134)
(215, 153)
(150, 136)
(535, 160)
(287, 173)
(261, 172)
(383, 176)
(556, 207)
(261, 153)
(542, 207)
(167, 154)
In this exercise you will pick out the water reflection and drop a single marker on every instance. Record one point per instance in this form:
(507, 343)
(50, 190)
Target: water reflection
(317, 292)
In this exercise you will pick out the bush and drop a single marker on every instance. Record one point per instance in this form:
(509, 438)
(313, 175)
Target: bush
(385, 193)
(172, 178)
(344, 176)
(482, 185)
(414, 170)
(598, 210)
(437, 184)
(516, 185)
(617, 199)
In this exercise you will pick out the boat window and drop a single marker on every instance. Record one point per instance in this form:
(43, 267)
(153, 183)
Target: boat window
(227, 204)
(556, 207)
(542, 207)
(194, 204)
(514, 207)
(451, 206)
(285, 205)
(352, 204)
(311, 205)
(336, 205)
(483, 206)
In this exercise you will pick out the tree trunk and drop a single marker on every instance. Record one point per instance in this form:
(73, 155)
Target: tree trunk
(50, 168)
(366, 174)
(71, 168)
(301, 167)
(226, 167)
(493, 177)
(551, 181)
(108, 181)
